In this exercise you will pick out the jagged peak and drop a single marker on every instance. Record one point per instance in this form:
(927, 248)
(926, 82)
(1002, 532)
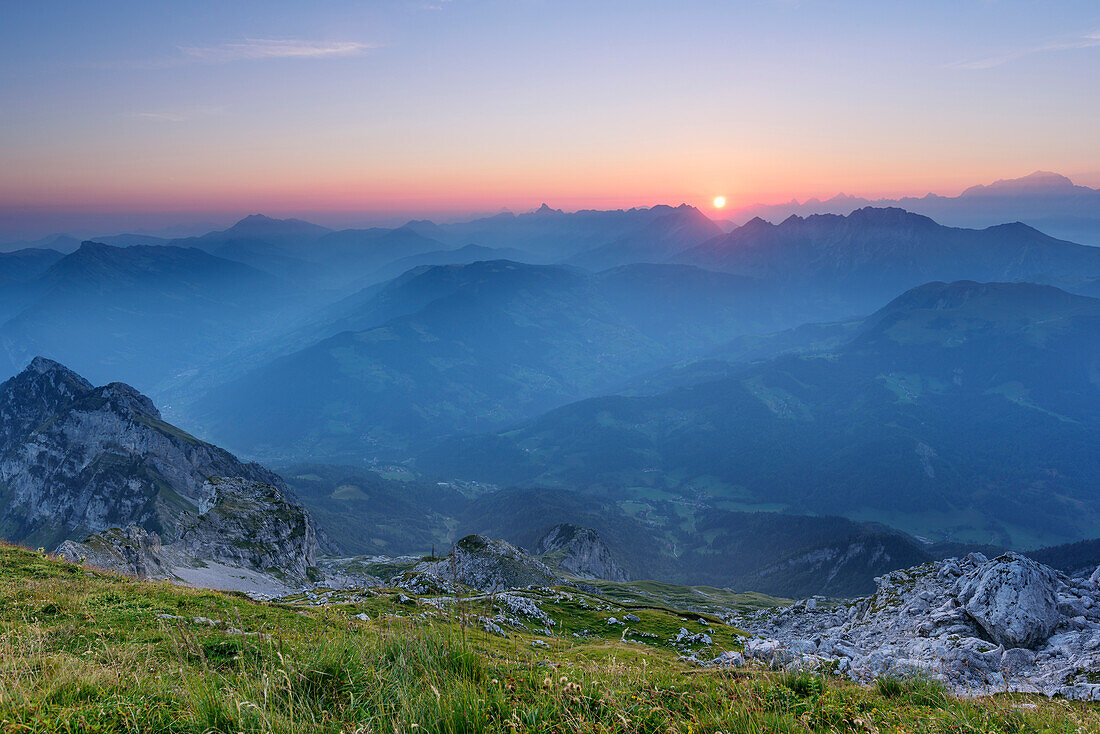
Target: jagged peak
(255, 219)
(888, 215)
(756, 223)
(41, 365)
(263, 222)
(56, 372)
(1036, 181)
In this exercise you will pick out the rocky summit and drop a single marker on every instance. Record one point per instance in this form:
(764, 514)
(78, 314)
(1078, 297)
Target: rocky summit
(981, 626)
(98, 471)
(487, 564)
(580, 552)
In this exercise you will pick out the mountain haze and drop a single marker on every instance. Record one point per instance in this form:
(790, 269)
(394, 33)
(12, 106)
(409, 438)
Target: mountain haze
(977, 405)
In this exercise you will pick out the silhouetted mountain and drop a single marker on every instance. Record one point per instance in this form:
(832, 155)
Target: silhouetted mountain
(141, 313)
(1047, 201)
(872, 254)
(552, 235)
(369, 249)
(307, 253)
(959, 411)
(461, 256)
(21, 266)
(657, 241)
(276, 231)
(62, 243)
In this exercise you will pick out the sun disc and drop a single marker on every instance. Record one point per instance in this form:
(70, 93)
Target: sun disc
(719, 202)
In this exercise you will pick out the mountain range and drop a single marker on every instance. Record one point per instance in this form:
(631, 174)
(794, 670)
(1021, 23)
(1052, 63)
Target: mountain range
(142, 313)
(1047, 201)
(977, 405)
(860, 260)
(860, 389)
(451, 349)
(445, 350)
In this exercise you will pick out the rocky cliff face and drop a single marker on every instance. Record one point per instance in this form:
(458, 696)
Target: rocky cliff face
(979, 625)
(579, 551)
(78, 460)
(241, 523)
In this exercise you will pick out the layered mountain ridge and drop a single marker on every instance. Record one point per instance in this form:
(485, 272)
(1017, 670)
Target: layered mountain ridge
(978, 416)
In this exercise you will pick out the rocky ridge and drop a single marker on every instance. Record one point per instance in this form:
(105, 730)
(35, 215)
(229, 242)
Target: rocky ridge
(487, 564)
(580, 552)
(98, 471)
(240, 523)
(980, 626)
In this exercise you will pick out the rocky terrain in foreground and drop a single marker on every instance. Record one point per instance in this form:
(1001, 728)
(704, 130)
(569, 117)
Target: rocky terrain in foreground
(981, 626)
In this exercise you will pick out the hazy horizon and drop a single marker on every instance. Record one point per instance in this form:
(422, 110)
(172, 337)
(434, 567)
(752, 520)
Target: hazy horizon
(31, 225)
(139, 117)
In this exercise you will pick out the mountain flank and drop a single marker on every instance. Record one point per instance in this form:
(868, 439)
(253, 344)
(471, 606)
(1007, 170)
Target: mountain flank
(99, 466)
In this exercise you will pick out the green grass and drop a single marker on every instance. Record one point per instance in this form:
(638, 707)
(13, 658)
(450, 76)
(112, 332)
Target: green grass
(86, 652)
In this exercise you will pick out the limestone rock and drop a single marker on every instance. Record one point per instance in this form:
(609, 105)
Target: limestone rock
(925, 620)
(99, 474)
(133, 551)
(1013, 600)
(579, 551)
(487, 564)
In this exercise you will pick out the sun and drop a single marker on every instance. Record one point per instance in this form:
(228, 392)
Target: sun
(719, 202)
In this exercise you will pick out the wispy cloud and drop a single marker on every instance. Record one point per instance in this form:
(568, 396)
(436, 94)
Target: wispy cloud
(186, 115)
(269, 48)
(1087, 40)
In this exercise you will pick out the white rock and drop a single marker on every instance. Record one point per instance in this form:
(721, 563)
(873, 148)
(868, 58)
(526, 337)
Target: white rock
(1013, 599)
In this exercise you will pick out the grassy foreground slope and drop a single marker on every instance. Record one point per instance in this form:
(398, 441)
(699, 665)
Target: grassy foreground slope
(87, 652)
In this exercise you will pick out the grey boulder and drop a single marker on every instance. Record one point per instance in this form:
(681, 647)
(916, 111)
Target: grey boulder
(1013, 600)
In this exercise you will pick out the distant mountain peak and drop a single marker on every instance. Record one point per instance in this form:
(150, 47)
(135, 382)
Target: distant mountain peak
(756, 223)
(1035, 182)
(254, 218)
(889, 215)
(263, 224)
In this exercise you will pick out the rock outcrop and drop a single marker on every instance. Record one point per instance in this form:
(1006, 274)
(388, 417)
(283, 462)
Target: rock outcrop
(978, 625)
(488, 564)
(133, 551)
(1013, 601)
(241, 523)
(579, 551)
(98, 471)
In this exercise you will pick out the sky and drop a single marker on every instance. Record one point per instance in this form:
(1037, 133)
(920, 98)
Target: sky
(141, 115)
